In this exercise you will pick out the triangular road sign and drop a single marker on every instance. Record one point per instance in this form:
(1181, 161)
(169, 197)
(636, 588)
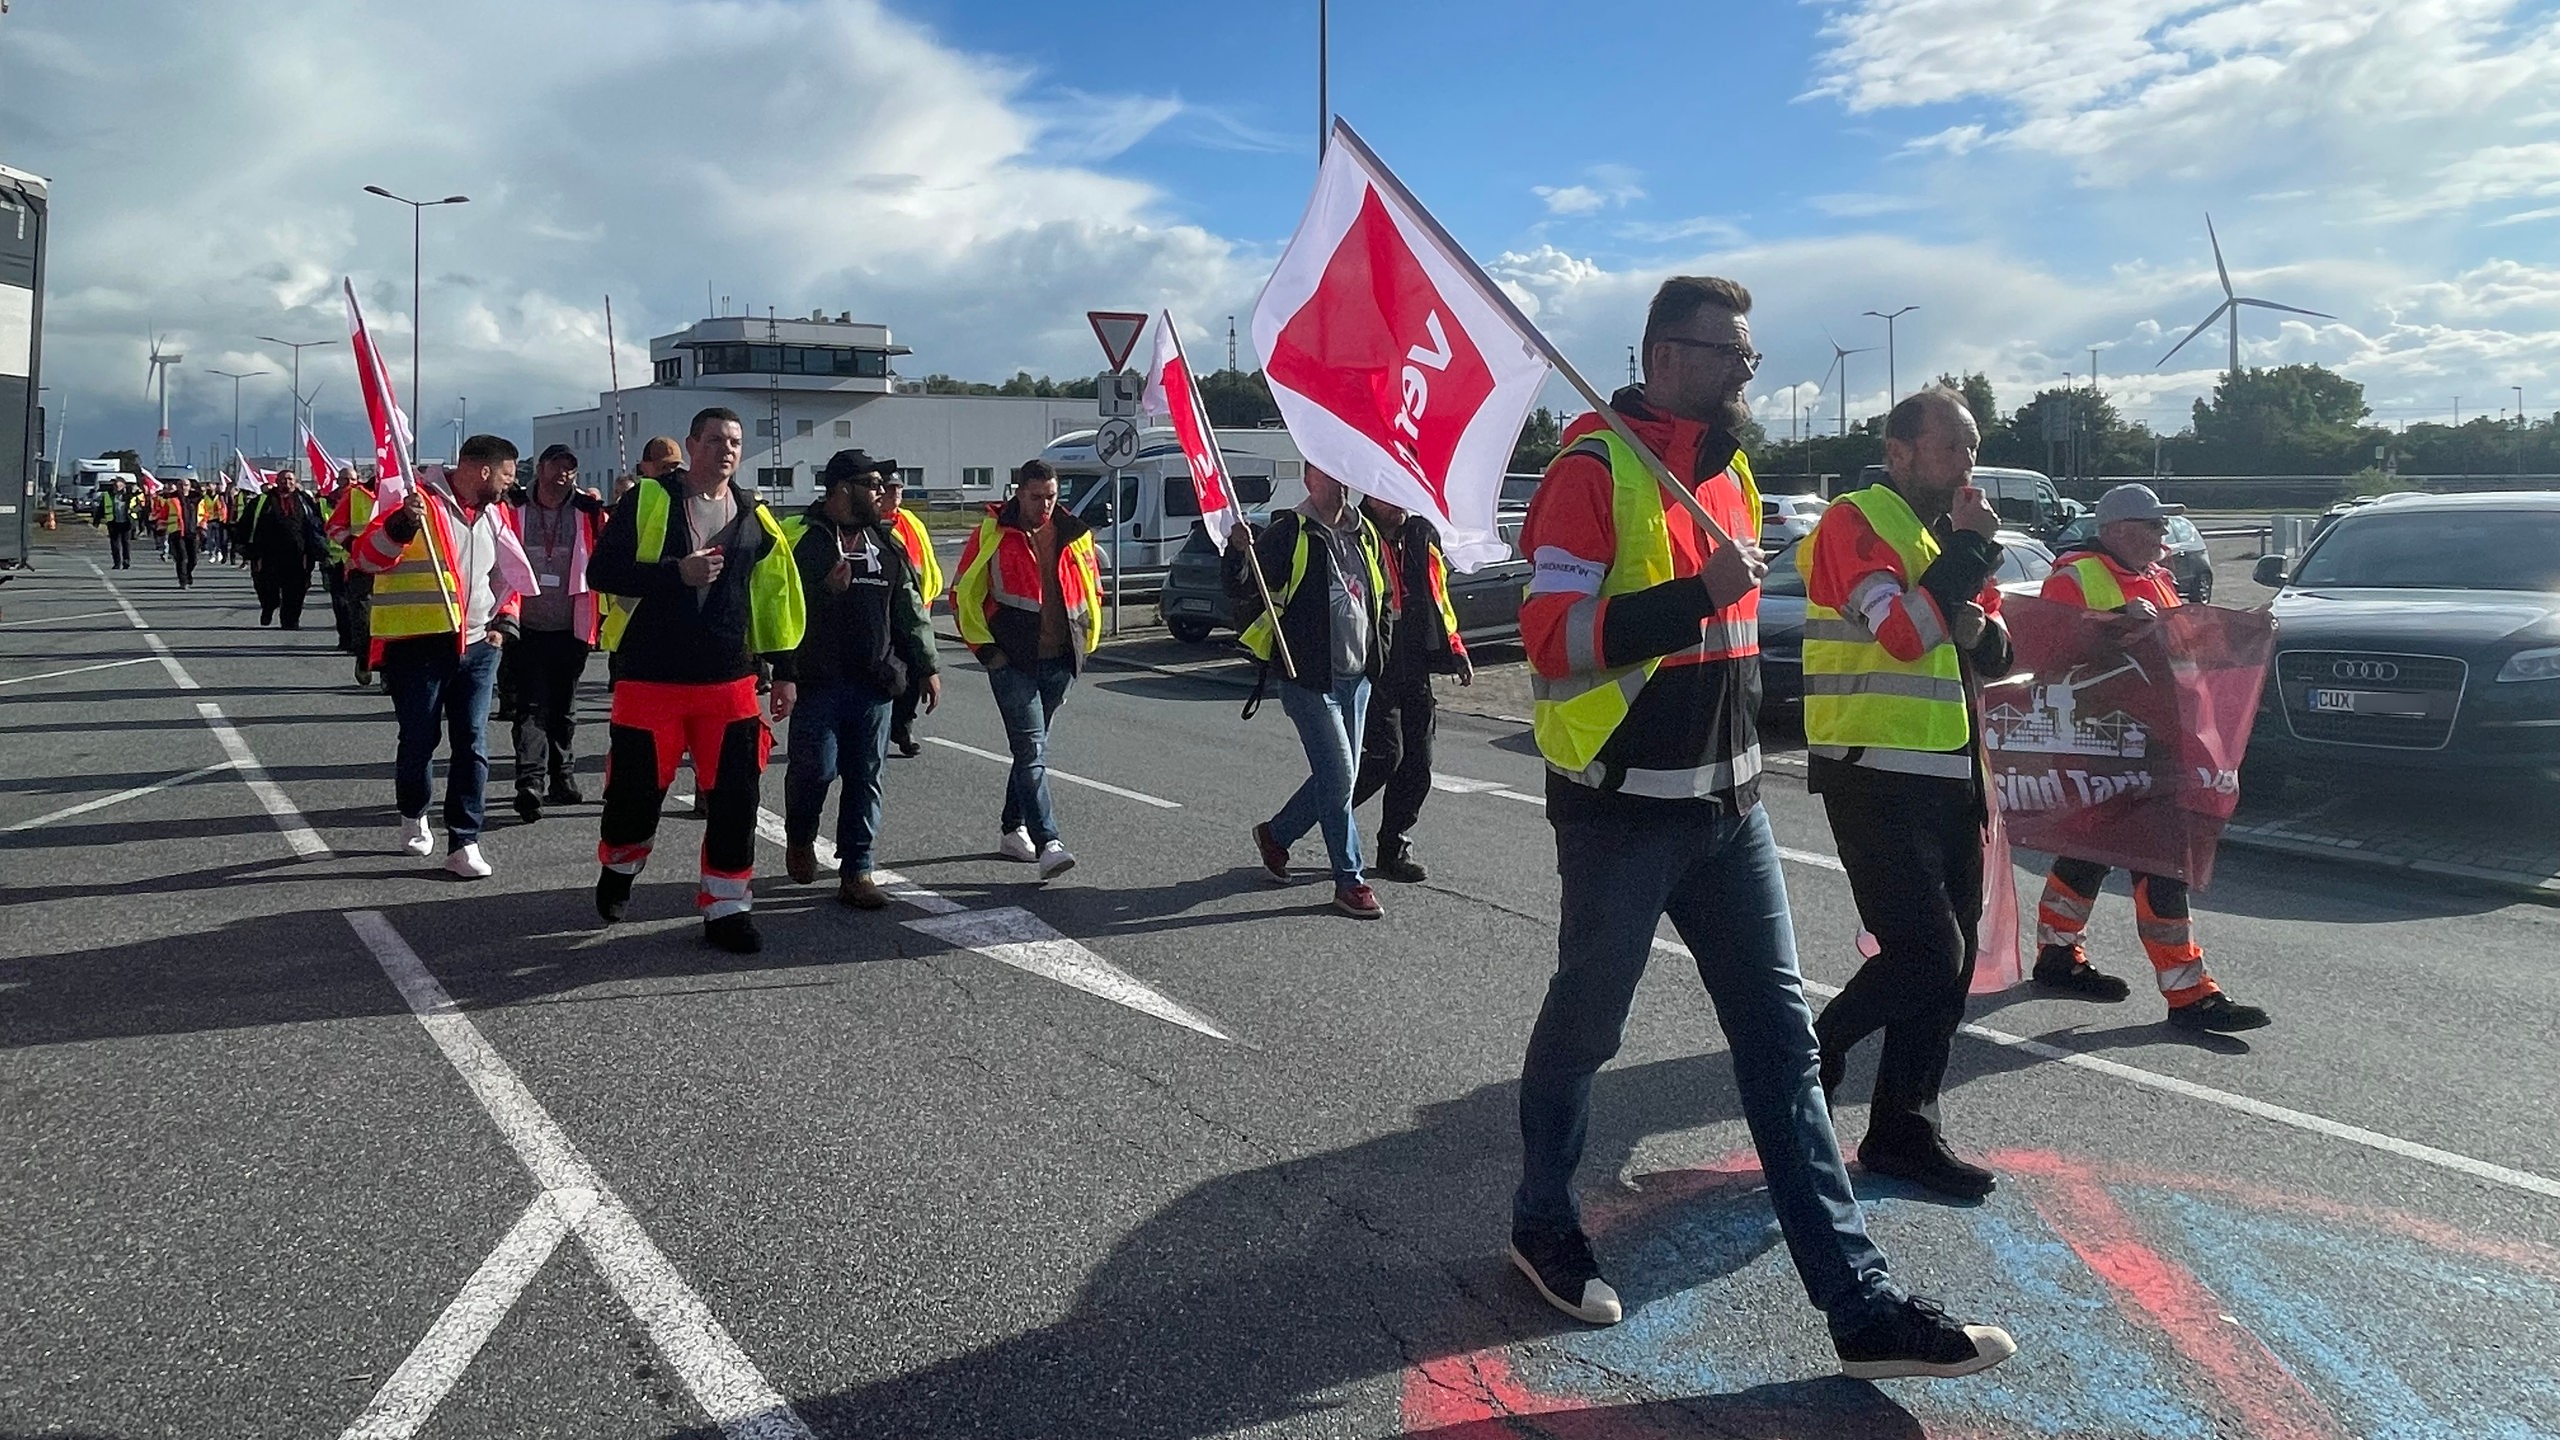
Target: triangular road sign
(1118, 332)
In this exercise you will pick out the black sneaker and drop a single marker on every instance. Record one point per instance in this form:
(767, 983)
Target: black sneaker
(1931, 1166)
(565, 792)
(528, 805)
(736, 934)
(2219, 1013)
(1401, 866)
(613, 894)
(2063, 967)
(1918, 1341)
(905, 740)
(1567, 1277)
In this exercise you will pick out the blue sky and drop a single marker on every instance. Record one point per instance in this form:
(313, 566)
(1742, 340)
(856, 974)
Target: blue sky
(2032, 173)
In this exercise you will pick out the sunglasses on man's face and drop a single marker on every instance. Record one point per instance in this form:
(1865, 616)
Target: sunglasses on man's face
(1750, 359)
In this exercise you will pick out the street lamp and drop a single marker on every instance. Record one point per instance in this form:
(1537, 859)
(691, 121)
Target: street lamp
(1892, 386)
(2519, 427)
(417, 228)
(297, 347)
(235, 377)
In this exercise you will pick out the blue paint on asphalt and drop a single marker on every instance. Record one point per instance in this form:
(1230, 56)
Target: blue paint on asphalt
(2120, 1382)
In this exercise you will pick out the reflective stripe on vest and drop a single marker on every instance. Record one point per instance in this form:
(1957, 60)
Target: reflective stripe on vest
(1574, 717)
(1004, 570)
(1257, 636)
(2098, 587)
(777, 613)
(1858, 696)
(422, 594)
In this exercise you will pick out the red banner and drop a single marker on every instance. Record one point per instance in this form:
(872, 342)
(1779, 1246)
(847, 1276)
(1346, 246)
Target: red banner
(2119, 741)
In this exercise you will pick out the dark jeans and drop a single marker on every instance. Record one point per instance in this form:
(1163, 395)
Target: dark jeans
(353, 602)
(1329, 722)
(1913, 848)
(837, 728)
(1716, 876)
(1029, 700)
(120, 547)
(437, 693)
(184, 551)
(902, 714)
(1395, 755)
(546, 665)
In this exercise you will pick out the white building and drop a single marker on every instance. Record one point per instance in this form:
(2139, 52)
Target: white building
(814, 387)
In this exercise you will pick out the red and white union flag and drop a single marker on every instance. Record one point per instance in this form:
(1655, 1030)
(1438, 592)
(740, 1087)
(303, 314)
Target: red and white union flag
(1395, 372)
(1171, 391)
(392, 438)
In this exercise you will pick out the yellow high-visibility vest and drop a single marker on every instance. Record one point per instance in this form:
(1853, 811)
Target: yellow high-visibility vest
(1855, 694)
(777, 612)
(1258, 635)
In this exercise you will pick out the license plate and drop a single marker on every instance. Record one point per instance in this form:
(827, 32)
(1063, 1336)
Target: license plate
(2366, 702)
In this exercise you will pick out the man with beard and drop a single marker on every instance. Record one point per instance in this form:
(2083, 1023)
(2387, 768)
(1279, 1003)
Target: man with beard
(1643, 636)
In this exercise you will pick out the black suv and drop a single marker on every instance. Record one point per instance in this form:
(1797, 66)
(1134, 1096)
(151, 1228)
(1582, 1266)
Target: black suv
(2421, 632)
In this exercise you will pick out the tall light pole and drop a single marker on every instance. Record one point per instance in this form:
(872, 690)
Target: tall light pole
(417, 231)
(235, 377)
(2519, 427)
(297, 347)
(1892, 383)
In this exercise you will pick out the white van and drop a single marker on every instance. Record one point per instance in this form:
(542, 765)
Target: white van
(1150, 517)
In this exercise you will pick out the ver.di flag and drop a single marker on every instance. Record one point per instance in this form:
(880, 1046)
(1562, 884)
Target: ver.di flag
(392, 442)
(324, 466)
(1171, 390)
(1397, 370)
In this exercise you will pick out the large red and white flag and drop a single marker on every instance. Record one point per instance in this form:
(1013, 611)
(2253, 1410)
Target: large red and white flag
(392, 439)
(1398, 371)
(324, 466)
(246, 474)
(1172, 390)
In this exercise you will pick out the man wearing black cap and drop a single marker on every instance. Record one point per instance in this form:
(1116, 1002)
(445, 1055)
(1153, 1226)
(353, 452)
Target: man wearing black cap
(868, 644)
(559, 525)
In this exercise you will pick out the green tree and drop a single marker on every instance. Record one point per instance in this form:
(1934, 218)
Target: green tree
(2289, 420)
(1541, 435)
(1238, 400)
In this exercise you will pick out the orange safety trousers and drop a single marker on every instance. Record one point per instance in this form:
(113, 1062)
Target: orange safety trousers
(2160, 917)
(654, 726)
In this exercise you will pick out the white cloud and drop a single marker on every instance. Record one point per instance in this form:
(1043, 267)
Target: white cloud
(1610, 187)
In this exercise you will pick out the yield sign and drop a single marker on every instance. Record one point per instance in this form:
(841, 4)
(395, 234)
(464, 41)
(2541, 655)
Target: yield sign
(1118, 332)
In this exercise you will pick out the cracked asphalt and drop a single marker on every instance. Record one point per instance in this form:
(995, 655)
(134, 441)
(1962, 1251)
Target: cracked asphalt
(930, 1192)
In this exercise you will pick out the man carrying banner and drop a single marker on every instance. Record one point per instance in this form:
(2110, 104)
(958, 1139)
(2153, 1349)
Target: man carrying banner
(444, 603)
(708, 590)
(1900, 615)
(2119, 572)
(1422, 641)
(1029, 604)
(558, 525)
(918, 543)
(1643, 634)
(1329, 603)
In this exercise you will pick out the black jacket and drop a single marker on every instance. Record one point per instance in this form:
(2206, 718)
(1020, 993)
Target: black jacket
(287, 530)
(1306, 618)
(1423, 645)
(876, 629)
(674, 636)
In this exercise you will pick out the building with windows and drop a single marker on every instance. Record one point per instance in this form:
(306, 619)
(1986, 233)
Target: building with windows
(806, 388)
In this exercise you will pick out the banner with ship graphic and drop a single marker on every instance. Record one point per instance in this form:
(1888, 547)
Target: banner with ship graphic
(2118, 740)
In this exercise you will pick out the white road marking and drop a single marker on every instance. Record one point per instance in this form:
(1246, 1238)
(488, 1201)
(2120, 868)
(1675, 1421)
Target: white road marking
(2524, 1180)
(1055, 773)
(121, 796)
(1461, 785)
(178, 675)
(298, 834)
(720, 1377)
(77, 670)
(1016, 937)
(56, 619)
(1814, 858)
(402, 1406)
(121, 603)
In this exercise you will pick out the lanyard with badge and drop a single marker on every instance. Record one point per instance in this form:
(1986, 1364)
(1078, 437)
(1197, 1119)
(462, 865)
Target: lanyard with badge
(550, 525)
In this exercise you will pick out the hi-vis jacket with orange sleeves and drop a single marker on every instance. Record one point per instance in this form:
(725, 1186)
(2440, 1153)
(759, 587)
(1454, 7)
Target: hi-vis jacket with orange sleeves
(1615, 604)
(408, 598)
(919, 547)
(997, 599)
(1425, 639)
(2092, 580)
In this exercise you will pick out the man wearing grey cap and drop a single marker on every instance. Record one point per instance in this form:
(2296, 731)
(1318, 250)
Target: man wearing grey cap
(2120, 572)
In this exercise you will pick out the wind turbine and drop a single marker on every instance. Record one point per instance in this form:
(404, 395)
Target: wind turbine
(1840, 363)
(162, 362)
(2230, 307)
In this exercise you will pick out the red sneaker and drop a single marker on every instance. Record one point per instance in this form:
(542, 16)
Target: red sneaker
(1357, 901)
(1275, 856)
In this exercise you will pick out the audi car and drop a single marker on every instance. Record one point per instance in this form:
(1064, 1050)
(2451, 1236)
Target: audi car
(2422, 635)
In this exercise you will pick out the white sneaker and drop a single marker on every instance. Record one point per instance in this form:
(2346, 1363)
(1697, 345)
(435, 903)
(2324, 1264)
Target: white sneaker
(466, 862)
(415, 837)
(1017, 845)
(1054, 860)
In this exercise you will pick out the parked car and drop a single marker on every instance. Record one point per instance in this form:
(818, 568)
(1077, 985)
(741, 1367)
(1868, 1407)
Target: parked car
(2190, 560)
(2026, 499)
(2024, 562)
(2422, 635)
(1195, 606)
(1785, 519)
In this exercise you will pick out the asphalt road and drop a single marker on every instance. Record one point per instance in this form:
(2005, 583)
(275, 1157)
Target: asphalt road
(303, 1138)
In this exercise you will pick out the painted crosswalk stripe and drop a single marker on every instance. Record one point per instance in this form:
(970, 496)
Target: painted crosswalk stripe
(1104, 786)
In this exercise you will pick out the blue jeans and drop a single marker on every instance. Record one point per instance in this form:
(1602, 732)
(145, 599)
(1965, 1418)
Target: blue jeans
(437, 692)
(1716, 875)
(837, 726)
(1329, 724)
(1028, 700)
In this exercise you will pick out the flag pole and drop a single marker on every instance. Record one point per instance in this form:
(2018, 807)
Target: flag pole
(1235, 507)
(613, 366)
(1494, 296)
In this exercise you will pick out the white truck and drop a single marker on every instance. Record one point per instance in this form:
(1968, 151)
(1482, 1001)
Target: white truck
(1148, 519)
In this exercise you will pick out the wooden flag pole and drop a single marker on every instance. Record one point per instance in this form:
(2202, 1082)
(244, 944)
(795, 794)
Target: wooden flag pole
(1494, 296)
(1235, 506)
(613, 367)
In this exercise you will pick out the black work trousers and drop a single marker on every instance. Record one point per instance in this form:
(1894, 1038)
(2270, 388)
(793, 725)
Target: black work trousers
(119, 547)
(1395, 755)
(546, 665)
(184, 550)
(1913, 848)
(282, 586)
(352, 604)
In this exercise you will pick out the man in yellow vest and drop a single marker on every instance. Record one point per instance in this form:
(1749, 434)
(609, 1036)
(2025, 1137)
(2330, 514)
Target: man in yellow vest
(1643, 639)
(709, 589)
(1901, 617)
(918, 543)
(2119, 572)
(1422, 641)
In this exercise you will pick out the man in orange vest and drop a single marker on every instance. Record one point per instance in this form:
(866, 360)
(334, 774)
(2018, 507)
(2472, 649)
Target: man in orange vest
(918, 543)
(2120, 572)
